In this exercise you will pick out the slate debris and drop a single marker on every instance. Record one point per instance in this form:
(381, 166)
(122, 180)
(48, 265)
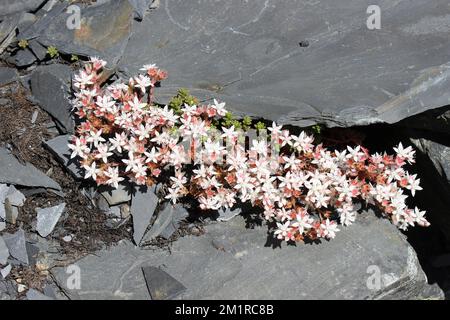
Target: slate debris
(143, 206)
(161, 285)
(4, 251)
(50, 87)
(16, 244)
(33, 294)
(117, 196)
(165, 218)
(12, 6)
(7, 75)
(228, 214)
(48, 218)
(180, 214)
(13, 172)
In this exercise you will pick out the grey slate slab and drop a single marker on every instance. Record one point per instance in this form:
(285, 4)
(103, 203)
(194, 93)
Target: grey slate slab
(105, 29)
(47, 219)
(59, 147)
(33, 294)
(4, 251)
(50, 87)
(241, 53)
(250, 269)
(7, 75)
(143, 206)
(16, 244)
(161, 285)
(13, 172)
(11, 6)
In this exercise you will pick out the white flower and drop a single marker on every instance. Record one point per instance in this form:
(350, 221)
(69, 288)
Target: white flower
(220, 108)
(113, 174)
(328, 229)
(103, 152)
(92, 170)
(413, 184)
(79, 148)
(96, 137)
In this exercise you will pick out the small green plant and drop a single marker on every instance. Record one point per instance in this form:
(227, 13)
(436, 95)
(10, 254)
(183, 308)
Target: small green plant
(183, 97)
(317, 129)
(52, 52)
(74, 58)
(260, 126)
(23, 43)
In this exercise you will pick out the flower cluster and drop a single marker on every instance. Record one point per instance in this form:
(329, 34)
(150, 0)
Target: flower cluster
(304, 190)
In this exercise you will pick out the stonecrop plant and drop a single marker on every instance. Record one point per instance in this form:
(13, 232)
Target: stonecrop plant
(197, 150)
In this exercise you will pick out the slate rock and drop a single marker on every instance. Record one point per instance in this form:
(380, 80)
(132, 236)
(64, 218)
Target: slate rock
(3, 193)
(8, 25)
(117, 196)
(4, 102)
(104, 31)
(4, 272)
(140, 7)
(50, 87)
(15, 197)
(59, 147)
(240, 53)
(143, 206)
(38, 50)
(13, 172)
(438, 153)
(161, 285)
(7, 75)
(180, 214)
(336, 269)
(228, 214)
(16, 244)
(23, 58)
(11, 212)
(11, 6)
(4, 252)
(33, 294)
(48, 218)
(166, 216)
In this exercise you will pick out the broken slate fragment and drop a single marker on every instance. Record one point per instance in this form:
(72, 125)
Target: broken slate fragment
(228, 214)
(161, 285)
(5, 271)
(117, 196)
(143, 206)
(15, 197)
(140, 7)
(23, 58)
(7, 75)
(13, 172)
(164, 219)
(16, 244)
(33, 294)
(11, 6)
(59, 147)
(50, 87)
(48, 218)
(4, 252)
(180, 214)
(11, 212)
(3, 192)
